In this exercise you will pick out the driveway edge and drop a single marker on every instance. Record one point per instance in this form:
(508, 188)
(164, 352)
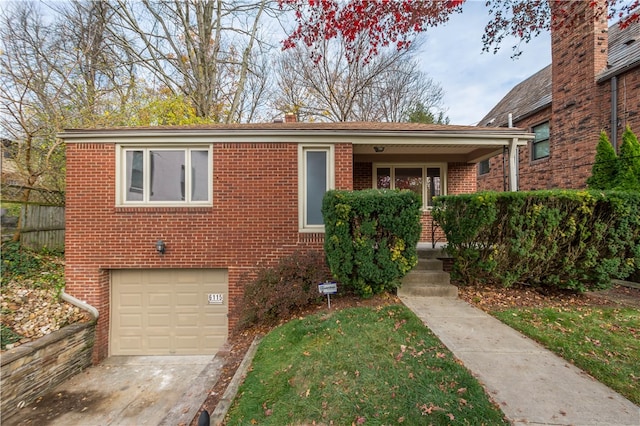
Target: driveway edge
(218, 415)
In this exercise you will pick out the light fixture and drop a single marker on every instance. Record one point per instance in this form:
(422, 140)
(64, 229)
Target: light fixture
(378, 148)
(161, 247)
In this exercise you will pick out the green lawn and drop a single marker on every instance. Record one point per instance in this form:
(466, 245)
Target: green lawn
(360, 365)
(604, 342)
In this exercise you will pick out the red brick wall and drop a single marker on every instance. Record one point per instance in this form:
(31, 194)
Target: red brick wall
(576, 61)
(581, 108)
(253, 221)
(533, 174)
(628, 105)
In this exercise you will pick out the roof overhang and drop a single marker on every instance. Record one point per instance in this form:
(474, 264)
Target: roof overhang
(449, 143)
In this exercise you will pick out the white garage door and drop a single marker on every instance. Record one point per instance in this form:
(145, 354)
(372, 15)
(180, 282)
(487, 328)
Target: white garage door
(168, 312)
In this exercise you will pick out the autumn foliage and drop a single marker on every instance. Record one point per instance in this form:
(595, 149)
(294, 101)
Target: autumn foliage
(383, 23)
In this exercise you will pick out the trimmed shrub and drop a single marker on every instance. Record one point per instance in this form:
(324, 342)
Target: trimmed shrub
(628, 177)
(575, 240)
(605, 168)
(274, 293)
(371, 237)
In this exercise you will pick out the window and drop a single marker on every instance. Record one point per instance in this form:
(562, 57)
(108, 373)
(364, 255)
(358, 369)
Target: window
(316, 178)
(165, 176)
(425, 180)
(540, 147)
(484, 167)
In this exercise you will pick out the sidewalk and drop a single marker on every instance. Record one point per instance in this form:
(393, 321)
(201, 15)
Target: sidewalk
(531, 385)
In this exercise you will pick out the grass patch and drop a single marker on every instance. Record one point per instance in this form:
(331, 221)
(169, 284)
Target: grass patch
(604, 342)
(359, 365)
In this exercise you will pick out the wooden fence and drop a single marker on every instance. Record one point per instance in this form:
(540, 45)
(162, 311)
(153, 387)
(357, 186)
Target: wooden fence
(42, 227)
(41, 223)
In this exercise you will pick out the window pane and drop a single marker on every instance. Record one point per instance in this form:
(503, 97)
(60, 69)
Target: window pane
(541, 141)
(135, 179)
(199, 175)
(167, 176)
(484, 167)
(316, 166)
(434, 184)
(541, 131)
(383, 177)
(541, 149)
(409, 178)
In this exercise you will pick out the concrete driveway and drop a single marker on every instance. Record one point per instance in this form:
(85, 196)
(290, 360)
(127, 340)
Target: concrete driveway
(121, 391)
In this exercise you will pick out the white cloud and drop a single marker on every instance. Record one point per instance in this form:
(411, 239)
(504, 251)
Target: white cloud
(474, 81)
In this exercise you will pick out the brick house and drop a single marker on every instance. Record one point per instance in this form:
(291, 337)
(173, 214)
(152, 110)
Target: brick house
(592, 84)
(160, 251)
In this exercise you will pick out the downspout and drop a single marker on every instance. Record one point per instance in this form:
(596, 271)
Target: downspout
(614, 113)
(80, 304)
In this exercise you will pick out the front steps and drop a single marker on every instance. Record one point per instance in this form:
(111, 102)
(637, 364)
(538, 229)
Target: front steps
(428, 279)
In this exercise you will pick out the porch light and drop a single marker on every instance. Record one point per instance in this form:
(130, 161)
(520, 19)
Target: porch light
(161, 247)
(378, 148)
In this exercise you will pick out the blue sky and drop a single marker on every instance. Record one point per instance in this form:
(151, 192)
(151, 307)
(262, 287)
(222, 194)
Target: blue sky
(474, 81)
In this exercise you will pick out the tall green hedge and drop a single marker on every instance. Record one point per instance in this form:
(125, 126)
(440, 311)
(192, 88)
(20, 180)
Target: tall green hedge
(563, 238)
(371, 237)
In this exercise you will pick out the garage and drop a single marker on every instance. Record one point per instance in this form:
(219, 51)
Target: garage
(168, 311)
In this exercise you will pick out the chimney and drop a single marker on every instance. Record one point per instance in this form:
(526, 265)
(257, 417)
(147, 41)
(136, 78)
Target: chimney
(290, 118)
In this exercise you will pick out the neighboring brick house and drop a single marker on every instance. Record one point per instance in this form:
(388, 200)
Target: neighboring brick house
(225, 200)
(592, 84)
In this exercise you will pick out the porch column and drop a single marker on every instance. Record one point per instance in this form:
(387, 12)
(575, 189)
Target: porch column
(513, 165)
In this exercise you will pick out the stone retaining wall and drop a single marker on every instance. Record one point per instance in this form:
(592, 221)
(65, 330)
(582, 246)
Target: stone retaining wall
(32, 369)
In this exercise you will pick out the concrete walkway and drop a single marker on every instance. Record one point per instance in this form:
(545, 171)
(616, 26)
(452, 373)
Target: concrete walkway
(531, 385)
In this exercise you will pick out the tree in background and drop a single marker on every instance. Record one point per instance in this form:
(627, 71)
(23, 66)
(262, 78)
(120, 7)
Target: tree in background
(611, 171)
(396, 22)
(420, 114)
(605, 168)
(628, 177)
(199, 49)
(334, 88)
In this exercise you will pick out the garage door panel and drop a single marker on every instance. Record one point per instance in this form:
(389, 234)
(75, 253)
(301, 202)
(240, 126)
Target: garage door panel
(159, 320)
(131, 320)
(130, 299)
(188, 300)
(162, 312)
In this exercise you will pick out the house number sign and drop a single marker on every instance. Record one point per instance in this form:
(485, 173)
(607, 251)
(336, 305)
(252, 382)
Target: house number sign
(216, 298)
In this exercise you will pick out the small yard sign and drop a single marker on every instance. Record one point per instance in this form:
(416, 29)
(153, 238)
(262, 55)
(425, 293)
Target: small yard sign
(328, 288)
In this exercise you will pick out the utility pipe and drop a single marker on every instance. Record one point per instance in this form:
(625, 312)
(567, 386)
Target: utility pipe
(80, 304)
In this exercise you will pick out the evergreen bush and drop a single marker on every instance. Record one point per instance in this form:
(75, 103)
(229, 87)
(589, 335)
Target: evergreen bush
(371, 237)
(566, 239)
(628, 176)
(605, 168)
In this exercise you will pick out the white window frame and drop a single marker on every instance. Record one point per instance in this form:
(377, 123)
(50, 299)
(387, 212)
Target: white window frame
(423, 166)
(303, 226)
(121, 180)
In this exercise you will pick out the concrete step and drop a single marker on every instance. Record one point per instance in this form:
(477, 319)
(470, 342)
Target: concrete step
(427, 278)
(427, 264)
(430, 277)
(431, 253)
(428, 290)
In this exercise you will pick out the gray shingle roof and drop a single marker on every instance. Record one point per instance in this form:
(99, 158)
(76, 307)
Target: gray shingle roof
(534, 93)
